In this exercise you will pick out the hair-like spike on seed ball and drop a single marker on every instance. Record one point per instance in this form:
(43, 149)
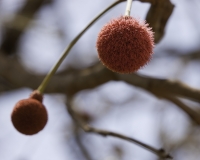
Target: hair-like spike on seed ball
(29, 116)
(125, 44)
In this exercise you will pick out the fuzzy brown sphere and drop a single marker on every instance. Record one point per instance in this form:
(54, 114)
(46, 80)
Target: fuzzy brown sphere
(29, 116)
(125, 45)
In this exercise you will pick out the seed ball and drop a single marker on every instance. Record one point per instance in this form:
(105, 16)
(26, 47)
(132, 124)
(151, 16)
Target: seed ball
(29, 116)
(125, 44)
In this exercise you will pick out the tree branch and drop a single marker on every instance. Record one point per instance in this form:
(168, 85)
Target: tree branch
(159, 152)
(15, 28)
(162, 86)
(158, 15)
(194, 115)
(80, 144)
(74, 81)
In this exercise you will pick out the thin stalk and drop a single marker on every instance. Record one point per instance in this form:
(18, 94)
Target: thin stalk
(44, 83)
(128, 8)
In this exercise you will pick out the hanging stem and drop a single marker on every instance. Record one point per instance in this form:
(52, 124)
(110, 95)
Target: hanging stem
(128, 8)
(44, 83)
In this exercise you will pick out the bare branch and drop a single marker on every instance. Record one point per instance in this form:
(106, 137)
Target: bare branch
(158, 15)
(194, 115)
(80, 144)
(12, 32)
(188, 57)
(74, 81)
(162, 86)
(159, 152)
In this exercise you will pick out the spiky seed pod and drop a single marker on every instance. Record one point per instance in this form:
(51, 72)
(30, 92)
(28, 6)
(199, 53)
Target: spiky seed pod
(125, 44)
(29, 116)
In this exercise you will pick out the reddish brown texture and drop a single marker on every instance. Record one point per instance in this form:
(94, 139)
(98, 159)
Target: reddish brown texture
(36, 95)
(125, 45)
(29, 116)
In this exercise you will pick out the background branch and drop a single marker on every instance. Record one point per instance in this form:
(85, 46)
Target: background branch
(193, 115)
(159, 152)
(158, 15)
(15, 28)
(80, 144)
(74, 81)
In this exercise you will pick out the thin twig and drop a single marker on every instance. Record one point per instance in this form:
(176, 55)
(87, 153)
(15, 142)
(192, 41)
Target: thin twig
(159, 152)
(80, 144)
(189, 111)
(162, 86)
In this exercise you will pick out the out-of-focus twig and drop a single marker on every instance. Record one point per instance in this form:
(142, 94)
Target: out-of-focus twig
(80, 144)
(158, 15)
(162, 86)
(12, 33)
(192, 55)
(159, 152)
(194, 115)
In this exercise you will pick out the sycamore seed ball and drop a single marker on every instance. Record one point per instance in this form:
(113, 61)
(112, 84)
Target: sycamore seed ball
(29, 116)
(125, 44)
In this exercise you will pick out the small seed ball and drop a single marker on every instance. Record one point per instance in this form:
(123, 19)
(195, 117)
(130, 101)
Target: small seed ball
(125, 44)
(29, 116)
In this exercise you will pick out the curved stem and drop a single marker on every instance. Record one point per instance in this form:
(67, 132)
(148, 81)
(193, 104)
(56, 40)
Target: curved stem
(128, 8)
(73, 42)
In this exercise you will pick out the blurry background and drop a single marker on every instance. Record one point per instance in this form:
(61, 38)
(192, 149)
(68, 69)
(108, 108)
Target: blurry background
(33, 33)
